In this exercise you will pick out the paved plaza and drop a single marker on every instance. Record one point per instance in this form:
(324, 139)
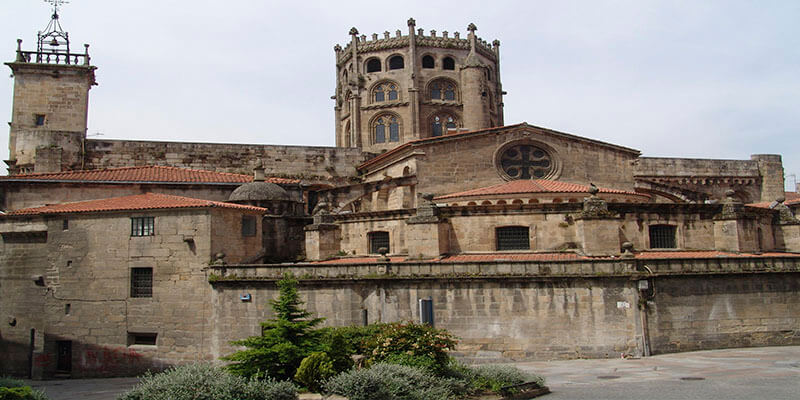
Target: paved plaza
(752, 373)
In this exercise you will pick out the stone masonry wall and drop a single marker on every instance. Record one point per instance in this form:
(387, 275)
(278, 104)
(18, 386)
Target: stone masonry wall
(311, 164)
(689, 314)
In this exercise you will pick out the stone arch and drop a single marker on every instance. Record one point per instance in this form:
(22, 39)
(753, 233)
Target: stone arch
(428, 61)
(373, 64)
(390, 133)
(384, 87)
(437, 90)
(395, 62)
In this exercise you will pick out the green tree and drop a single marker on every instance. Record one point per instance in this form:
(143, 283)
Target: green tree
(285, 340)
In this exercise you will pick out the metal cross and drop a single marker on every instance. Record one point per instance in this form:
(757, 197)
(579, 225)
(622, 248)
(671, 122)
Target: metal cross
(56, 4)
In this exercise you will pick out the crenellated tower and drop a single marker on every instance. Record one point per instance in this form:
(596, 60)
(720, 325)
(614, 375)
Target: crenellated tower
(392, 89)
(51, 102)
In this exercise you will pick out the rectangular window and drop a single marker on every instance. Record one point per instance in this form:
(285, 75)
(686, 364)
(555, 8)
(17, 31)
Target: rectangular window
(378, 240)
(248, 225)
(141, 282)
(146, 339)
(65, 224)
(513, 238)
(39, 119)
(662, 236)
(142, 226)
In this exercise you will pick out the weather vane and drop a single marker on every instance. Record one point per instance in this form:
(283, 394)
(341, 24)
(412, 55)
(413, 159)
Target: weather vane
(56, 4)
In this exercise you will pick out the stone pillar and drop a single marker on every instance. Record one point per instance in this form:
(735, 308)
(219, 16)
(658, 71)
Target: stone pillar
(733, 229)
(597, 228)
(426, 235)
(323, 237)
(770, 167)
(498, 84)
(413, 90)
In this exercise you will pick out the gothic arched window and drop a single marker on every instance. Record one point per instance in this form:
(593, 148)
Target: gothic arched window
(427, 62)
(396, 62)
(443, 90)
(373, 65)
(385, 91)
(449, 63)
(383, 124)
(441, 124)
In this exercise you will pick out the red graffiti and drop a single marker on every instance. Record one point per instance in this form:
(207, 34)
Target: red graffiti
(43, 360)
(108, 359)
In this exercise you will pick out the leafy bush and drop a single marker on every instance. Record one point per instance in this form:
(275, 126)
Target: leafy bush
(15, 389)
(418, 340)
(494, 377)
(422, 362)
(389, 382)
(313, 370)
(207, 382)
(340, 343)
(284, 341)
(9, 382)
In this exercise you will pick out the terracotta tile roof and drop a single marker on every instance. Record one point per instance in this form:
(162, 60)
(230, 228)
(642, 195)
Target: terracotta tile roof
(150, 173)
(534, 186)
(709, 254)
(147, 201)
(406, 145)
(766, 204)
(560, 256)
(792, 196)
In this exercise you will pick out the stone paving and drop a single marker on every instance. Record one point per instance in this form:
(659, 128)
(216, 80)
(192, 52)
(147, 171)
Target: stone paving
(751, 373)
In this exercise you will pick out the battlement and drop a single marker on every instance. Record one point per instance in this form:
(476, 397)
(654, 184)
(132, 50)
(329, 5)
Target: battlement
(375, 42)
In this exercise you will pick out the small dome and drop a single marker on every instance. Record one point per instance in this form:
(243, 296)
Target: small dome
(259, 191)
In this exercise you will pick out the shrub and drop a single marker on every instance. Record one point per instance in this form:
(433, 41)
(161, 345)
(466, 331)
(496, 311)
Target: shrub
(313, 370)
(389, 382)
(342, 342)
(206, 382)
(422, 362)
(418, 340)
(284, 341)
(15, 389)
(494, 377)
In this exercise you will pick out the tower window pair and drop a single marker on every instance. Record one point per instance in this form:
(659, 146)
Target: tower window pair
(442, 123)
(382, 124)
(448, 63)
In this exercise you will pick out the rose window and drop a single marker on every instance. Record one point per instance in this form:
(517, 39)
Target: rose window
(525, 162)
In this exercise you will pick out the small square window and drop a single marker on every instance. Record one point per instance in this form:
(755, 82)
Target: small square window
(513, 238)
(39, 119)
(378, 240)
(662, 236)
(142, 226)
(146, 339)
(248, 225)
(141, 282)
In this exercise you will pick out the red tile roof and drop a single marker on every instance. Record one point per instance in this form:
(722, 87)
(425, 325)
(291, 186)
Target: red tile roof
(560, 256)
(524, 186)
(150, 173)
(792, 196)
(147, 201)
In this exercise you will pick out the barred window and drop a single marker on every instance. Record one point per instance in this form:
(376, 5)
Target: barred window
(378, 240)
(142, 226)
(513, 238)
(248, 225)
(437, 128)
(662, 236)
(141, 282)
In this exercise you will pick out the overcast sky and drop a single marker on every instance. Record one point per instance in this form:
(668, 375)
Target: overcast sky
(699, 79)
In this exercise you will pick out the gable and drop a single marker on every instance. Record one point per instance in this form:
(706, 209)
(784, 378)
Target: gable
(481, 158)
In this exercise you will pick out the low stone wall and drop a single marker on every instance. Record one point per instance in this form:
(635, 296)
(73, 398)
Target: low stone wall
(506, 311)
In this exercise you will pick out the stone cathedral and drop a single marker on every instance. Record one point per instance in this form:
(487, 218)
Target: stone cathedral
(121, 256)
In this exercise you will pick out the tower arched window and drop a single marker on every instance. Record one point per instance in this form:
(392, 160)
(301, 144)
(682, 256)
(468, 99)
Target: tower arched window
(427, 62)
(449, 63)
(443, 90)
(373, 65)
(385, 91)
(396, 62)
(441, 124)
(386, 129)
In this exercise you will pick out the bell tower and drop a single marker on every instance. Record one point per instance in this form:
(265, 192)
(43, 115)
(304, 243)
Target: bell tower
(51, 101)
(398, 87)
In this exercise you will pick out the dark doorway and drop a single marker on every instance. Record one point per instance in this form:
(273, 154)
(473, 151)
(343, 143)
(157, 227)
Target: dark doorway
(64, 351)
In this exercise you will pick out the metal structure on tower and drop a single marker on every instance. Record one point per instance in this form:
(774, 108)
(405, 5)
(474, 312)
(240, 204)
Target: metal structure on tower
(53, 37)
